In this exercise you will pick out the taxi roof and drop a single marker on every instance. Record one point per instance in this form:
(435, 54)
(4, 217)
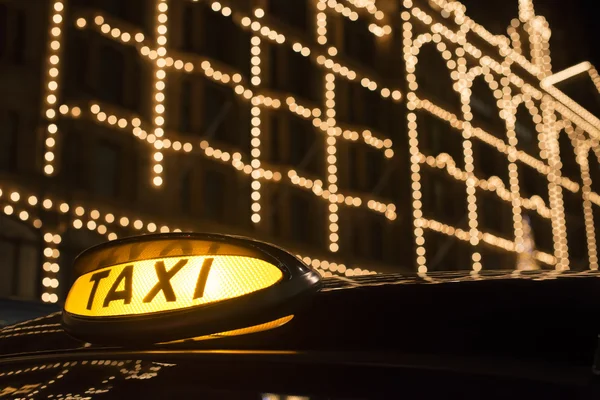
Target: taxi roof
(543, 316)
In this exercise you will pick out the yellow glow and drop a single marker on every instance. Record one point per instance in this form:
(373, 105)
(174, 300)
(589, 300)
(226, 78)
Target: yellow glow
(135, 288)
(242, 331)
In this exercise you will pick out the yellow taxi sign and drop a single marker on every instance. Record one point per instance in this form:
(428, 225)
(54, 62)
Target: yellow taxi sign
(166, 284)
(166, 287)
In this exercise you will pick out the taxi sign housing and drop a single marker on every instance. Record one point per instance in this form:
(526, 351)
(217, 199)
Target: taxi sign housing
(164, 287)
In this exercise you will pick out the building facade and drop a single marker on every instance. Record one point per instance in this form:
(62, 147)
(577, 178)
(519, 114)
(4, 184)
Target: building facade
(364, 136)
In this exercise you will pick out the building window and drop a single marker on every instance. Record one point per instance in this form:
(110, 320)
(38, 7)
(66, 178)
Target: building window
(77, 63)
(446, 253)
(354, 167)
(359, 43)
(570, 167)
(444, 198)
(436, 136)
(594, 172)
(355, 111)
(186, 192)
(131, 11)
(105, 170)
(299, 143)
(485, 110)
(185, 107)
(304, 149)
(274, 139)
(130, 165)
(531, 183)
(219, 107)
(111, 69)
(20, 251)
(292, 13)
(20, 37)
(74, 168)
(3, 29)
(300, 217)
(375, 110)
(541, 231)
(227, 42)
(376, 237)
(495, 215)
(292, 73)
(188, 27)
(214, 195)
(490, 162)
(275, 80)
(9, 131)
(434, 81)
(276, 214)
(575, 224)
(134, 84)
(356, 235)
(302, 76)
(13, 34)
(375, 168)
(526, 132)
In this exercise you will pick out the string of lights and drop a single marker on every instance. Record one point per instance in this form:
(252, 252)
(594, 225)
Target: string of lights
(50, 266)
(509, 89)
(110, 116)
(52, 83)
(331, 161)
(582, 149)
(546, 122)
(501, 243)
(494, 183)
(368, 137)
(515, 37)
(104, 223)
(370, 6)
(159, 85)
(255, 131)
(375, 28)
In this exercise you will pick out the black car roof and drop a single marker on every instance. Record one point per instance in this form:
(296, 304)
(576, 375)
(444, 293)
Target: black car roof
(546, 316)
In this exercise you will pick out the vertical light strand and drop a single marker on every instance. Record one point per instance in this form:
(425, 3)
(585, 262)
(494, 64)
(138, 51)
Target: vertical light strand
(321, 22)
(52, 83)
(510, 116)
(255, 131)
(557, 214)
(526, 11)
(331, 161)
(538, 30)
(50, 280)
(331, 141)
(471, 181)
(582, 150)
(515, 37)
(158, 106)
(539, 38)
(413, 141)
(471, 194)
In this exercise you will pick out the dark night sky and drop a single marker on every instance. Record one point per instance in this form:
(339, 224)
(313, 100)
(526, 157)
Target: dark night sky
(574, 36)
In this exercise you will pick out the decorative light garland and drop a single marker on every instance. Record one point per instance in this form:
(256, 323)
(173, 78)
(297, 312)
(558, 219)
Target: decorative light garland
(498, 75)
(546, 122)
(52, 82)
(255, 131)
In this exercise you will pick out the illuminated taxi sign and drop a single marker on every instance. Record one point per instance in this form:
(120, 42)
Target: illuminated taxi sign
(166, 284)
(167, 287)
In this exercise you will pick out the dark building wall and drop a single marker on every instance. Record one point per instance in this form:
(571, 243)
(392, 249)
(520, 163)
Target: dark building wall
(114, 138)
